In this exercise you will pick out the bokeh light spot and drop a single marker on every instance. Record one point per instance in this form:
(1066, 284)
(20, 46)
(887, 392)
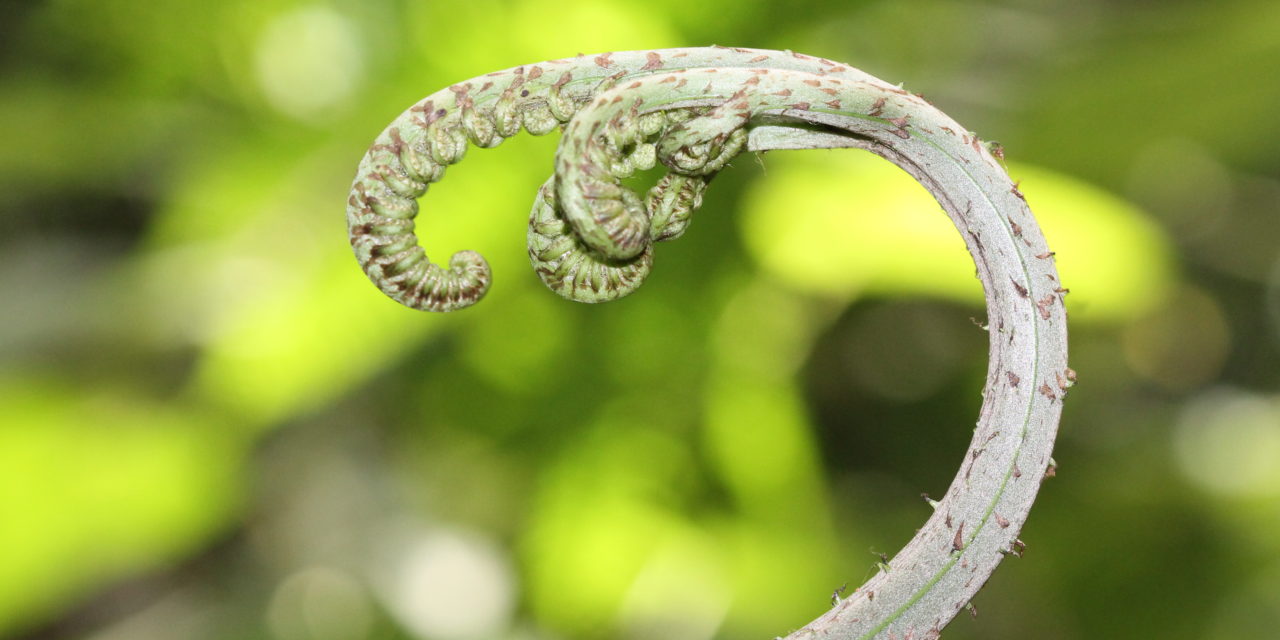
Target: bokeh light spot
(680, 594)
(308, 60)
(1228, 442)
(449, 585)
(320, 603)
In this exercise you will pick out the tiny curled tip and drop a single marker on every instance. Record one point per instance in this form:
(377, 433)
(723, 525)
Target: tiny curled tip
(571, 268)
(463, 284)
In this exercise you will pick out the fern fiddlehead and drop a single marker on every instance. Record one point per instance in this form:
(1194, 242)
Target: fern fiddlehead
(590, 239)
(415, 149)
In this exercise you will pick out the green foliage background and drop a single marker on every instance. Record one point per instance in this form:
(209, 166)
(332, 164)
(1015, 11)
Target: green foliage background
(211, 426)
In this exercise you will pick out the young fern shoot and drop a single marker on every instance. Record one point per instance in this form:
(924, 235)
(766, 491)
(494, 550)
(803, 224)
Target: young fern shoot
(591, 238)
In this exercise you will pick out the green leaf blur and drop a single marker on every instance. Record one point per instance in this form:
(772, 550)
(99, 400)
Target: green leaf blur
(212, 426)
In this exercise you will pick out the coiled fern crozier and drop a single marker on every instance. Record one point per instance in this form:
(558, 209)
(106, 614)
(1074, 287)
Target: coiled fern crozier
(590, 239)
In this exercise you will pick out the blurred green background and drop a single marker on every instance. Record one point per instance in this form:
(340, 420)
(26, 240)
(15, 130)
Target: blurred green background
(212, 426)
